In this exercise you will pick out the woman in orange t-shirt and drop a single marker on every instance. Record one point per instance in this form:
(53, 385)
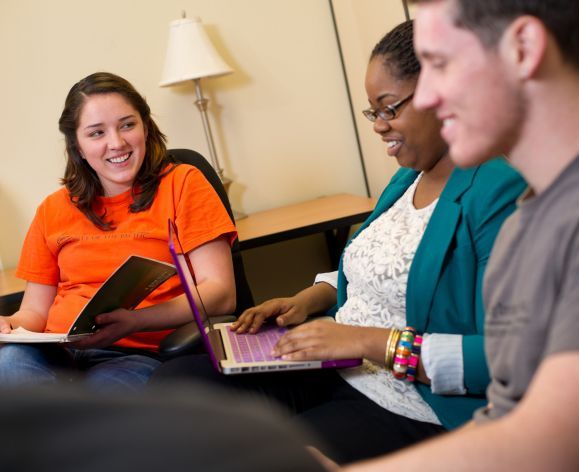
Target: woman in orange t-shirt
(120, 188)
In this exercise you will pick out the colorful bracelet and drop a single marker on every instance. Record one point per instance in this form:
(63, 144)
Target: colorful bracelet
(414, 359)
(403, 351)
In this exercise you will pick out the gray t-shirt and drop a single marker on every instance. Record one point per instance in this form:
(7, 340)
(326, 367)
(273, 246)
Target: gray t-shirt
(531, 291)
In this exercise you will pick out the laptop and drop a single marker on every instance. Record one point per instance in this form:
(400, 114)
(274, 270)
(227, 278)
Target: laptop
(233, 353)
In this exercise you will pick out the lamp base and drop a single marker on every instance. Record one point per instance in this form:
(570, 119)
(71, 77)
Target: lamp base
(226, 181)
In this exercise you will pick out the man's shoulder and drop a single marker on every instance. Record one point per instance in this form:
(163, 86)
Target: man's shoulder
(565, 186)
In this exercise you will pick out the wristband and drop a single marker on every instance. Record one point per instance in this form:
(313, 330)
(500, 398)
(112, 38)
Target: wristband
(414, 359)
(403, 352)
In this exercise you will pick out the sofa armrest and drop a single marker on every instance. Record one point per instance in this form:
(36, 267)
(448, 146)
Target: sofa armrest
(187, 339)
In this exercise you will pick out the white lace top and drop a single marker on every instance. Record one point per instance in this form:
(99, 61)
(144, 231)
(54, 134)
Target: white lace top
(376, 265)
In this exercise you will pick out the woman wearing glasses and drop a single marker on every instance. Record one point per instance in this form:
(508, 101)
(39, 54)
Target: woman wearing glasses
(417, 262)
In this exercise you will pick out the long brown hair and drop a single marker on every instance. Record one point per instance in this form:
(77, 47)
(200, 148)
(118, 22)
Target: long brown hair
(79, 178)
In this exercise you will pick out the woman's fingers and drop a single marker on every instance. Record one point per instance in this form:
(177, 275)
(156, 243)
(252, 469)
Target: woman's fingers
(292, 317)
(100, 339)
(258, 320)
(252, 318)
(317, 340)
(5, 327)
(299, 340)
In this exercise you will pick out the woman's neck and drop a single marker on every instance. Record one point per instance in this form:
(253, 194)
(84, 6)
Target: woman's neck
(432, 182)
(440, 171)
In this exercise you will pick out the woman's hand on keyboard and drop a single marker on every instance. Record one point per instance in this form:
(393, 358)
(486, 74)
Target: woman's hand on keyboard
(328, 340)
(287, 311)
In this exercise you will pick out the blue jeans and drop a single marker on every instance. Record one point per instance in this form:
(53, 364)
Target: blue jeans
(99, 369)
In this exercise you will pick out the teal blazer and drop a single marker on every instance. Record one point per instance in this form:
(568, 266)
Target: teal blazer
(444, 292)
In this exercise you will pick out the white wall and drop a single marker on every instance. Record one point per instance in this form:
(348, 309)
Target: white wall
(281, 122)
(361, 24)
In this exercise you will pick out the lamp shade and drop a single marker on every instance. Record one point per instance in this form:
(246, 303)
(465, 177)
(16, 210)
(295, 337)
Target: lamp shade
(190, 54)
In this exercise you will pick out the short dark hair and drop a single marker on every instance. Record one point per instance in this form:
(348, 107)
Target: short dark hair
(79, 178)
(396, 49)
(489, 18)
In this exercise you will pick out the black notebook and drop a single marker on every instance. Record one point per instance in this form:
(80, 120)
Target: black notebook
(128, 286)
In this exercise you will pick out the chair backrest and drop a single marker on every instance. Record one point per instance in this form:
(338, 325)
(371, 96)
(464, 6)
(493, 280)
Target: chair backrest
(187, 156)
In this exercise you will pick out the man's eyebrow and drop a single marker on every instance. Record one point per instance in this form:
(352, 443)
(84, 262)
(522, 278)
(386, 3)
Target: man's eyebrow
(426, 54)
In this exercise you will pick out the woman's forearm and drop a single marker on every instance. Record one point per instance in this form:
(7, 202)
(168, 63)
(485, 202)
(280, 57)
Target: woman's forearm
(27, 319)
(217, 300)
(36, 303)
(317, 299)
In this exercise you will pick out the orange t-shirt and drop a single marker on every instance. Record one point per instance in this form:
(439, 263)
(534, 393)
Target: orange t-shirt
(63, 248)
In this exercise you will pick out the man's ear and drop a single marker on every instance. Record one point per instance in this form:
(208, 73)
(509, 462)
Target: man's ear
(524, 42)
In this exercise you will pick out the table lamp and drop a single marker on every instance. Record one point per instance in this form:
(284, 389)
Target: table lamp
(191, 56)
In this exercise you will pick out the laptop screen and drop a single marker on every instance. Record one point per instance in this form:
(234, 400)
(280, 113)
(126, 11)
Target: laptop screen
(189, 275)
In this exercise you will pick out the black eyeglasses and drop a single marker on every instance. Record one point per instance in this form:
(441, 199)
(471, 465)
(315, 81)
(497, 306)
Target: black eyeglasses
(389, 112)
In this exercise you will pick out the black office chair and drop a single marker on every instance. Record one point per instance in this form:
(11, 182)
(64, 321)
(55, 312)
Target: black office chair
(186, 339)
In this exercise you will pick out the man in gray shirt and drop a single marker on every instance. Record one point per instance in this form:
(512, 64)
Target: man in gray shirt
(503, 76)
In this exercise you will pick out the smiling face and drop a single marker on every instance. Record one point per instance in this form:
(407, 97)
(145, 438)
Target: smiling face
(413, 137)
(111, 138)
(469, 86)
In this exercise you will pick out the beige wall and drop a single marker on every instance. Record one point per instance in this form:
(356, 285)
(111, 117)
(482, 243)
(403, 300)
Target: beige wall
(361, 24)
(281, 122)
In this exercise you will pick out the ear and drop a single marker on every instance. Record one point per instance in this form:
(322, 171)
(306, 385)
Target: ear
(525, 42)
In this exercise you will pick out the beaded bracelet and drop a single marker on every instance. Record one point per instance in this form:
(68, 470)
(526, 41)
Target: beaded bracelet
(414, 358)
(403, 351)
(391, 344)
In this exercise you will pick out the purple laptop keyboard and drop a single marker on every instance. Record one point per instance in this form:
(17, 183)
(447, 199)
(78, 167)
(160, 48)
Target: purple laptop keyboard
(255, 347)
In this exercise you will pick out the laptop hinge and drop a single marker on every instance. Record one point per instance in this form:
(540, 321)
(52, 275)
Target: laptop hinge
(215, 340)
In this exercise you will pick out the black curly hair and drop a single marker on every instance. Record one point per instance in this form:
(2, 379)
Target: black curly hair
(396, 49)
